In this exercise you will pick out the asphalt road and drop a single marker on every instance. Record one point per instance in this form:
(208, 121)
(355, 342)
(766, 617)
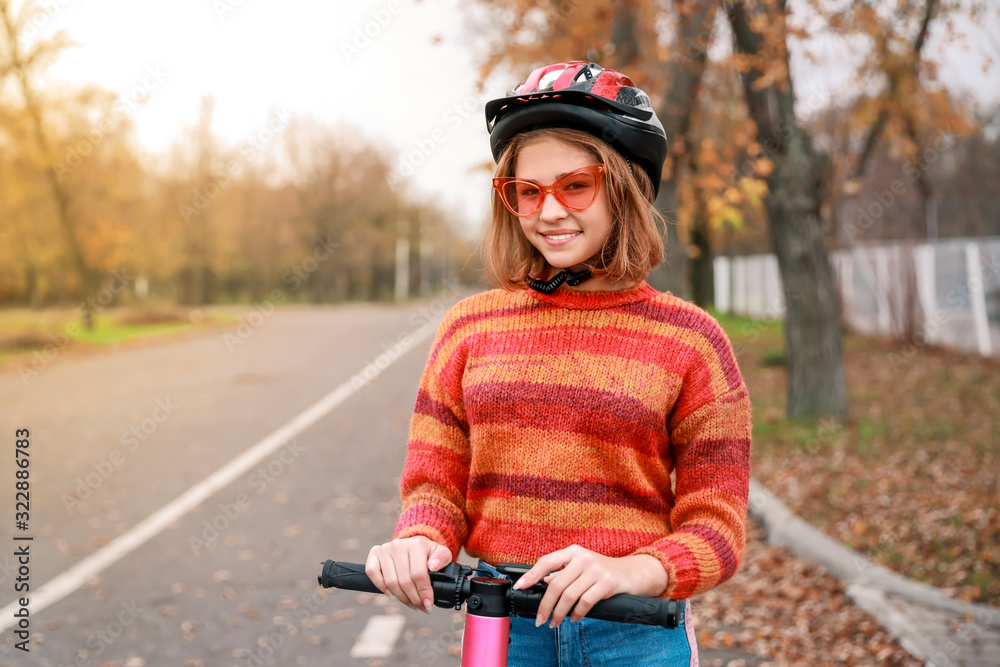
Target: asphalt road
(116, 436)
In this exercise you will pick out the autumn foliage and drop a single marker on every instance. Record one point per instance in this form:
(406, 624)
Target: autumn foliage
(207, 222)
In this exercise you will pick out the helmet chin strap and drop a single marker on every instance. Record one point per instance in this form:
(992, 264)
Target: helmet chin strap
(549, 286)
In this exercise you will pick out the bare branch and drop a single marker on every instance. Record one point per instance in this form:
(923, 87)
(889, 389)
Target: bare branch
(895, 81)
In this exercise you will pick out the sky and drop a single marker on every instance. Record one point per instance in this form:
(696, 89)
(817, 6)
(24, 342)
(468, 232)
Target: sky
(368, 64)
(397, 71)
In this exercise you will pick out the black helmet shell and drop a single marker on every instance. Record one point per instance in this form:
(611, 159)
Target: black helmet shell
(583, 96)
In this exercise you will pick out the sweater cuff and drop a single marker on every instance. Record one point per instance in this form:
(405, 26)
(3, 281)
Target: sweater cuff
(684, 573)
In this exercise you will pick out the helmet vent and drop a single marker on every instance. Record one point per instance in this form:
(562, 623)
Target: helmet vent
(549, 79)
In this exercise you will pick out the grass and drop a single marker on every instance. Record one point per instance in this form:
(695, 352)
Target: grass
(909, 477)
(25, 331)
(774, 357)
(106, 333)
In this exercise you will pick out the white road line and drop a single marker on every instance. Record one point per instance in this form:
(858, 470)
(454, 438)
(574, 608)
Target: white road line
(378, 637)
(70, 580)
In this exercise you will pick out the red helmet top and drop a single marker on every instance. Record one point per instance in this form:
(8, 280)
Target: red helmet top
(584, 96)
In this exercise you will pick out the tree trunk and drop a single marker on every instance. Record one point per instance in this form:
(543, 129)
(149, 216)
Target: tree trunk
(702, 270)
(671, 274)
(694, 30)
(699, 246)
(623, 33)
(816, 384)
(59, 194)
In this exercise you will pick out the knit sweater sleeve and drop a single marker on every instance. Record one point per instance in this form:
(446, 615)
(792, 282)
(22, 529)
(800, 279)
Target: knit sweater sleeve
(436, 471)
(710, 433)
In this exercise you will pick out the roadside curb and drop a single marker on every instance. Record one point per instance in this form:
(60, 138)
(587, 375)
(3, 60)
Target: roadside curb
(786, 529)
(897, 618)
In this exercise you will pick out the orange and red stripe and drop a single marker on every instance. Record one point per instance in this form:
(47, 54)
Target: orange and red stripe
(548, 420)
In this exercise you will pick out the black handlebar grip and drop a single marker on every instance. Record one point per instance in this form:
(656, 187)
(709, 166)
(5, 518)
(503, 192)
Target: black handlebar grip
(626, 608)
(350, 576)
(621, 608)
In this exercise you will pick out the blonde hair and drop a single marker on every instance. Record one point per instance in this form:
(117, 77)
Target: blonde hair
(635, 243)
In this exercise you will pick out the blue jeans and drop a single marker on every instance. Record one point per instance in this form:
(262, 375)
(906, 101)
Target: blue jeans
(595, 643)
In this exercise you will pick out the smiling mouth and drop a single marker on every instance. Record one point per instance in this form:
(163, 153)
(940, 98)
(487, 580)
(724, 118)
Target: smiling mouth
(559, 237)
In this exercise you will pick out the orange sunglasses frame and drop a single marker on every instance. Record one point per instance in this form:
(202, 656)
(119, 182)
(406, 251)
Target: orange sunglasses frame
(598, 170)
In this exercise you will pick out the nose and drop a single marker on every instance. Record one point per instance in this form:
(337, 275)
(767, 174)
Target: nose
(551, 210)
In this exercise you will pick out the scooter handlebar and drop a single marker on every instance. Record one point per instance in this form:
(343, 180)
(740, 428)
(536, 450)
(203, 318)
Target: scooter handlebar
(349, 576)
(637, 609)
(451, 589)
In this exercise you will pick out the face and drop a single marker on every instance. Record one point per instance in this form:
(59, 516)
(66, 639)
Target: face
(564, 237)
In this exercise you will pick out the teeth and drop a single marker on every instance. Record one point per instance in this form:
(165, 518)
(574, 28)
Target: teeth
(557, 237)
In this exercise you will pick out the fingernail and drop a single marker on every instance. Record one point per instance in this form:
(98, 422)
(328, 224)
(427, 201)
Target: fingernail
(539, 621)
(428, 603)
(517, 585)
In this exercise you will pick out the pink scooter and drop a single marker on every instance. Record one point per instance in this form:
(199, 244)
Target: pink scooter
(490, 602)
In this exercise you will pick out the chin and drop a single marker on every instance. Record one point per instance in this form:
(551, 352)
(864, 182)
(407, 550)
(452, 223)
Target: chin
(559, 266)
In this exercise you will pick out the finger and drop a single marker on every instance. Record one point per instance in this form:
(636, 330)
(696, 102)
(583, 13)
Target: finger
(542, 568)
(421, 584)
(570, 596)
(439, 557)
(557, 585)
(407, 588)
(590, 597)
(390, 577)
(373, 568)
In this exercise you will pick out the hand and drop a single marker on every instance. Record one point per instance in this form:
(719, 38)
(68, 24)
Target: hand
(578, 576)
(399, 568)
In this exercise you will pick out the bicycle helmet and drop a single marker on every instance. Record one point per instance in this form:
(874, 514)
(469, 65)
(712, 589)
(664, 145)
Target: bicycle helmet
(583, 96)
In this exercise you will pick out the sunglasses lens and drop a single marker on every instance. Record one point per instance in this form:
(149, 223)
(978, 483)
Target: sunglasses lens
(577, 190)
(521, 197)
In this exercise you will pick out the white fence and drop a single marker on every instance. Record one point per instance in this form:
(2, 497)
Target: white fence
(943, 293)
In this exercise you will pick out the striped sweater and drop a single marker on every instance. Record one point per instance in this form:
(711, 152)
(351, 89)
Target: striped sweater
(617, 421)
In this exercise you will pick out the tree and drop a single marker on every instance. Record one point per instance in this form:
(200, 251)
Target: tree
(816, 384)
(536, 33)
(199, 237)
(906, 114)
(718, 199)
(684, 73)
(22, 66)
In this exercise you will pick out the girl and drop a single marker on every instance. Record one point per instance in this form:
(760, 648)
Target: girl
(576, 418)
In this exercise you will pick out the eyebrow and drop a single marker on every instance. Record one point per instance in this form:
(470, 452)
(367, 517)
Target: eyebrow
(558, 176)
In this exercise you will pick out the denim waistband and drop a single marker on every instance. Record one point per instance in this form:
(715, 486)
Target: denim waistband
(483, 566)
